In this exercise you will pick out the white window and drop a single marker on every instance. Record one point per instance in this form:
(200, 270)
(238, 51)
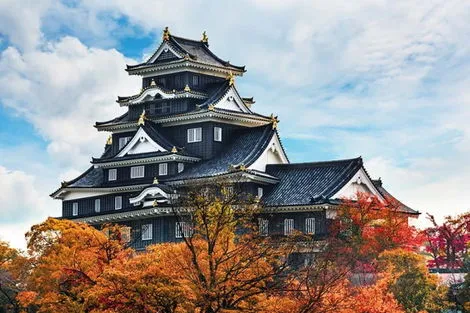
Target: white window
(263, 226)
(260, 192)
(75, 208)
(217, 134)
(183, 229)
(137, 171)
(97, 205)
(163, 169)
(180, 167)
(288, 226)
(195, 134)
(123, 141)
(147, 232)
(310, 225)
(112, 174)
(118, 202)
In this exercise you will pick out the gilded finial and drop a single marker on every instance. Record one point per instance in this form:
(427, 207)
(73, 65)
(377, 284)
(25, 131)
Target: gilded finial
(174, 150)
(142, 118)
(231, 79)
(274, 121)
(210, 107)
(155, 181)
(166, 34)
(155, 203)
(152, 82)
(186, 88)
(204, 39)
(242, 167)
(109, 141)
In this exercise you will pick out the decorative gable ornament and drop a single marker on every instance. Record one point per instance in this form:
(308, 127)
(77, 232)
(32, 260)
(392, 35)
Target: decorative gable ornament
(166, 34)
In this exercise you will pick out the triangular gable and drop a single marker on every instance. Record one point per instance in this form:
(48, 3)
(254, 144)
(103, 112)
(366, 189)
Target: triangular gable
(232, 101)
(150, 94)
(153, 193)
(273, 154)
(360, 182)
(165, 52)
(141, 143)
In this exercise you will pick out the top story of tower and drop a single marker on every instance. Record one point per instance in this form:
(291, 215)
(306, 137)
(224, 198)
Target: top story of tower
(177, 54)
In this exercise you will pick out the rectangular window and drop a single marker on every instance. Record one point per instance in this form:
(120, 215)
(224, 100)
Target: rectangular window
(97, 205)
(183, 229)
(163, 169)
(75, 208)
(137, 171)
(147, 232)
(260, 192)
(195, 80)
(263, 226)
(310, 225)
(180, 167)
(118, 202)
(194, 134)
(123, 141)
(288, 226)
(217, 134)
(112, 174)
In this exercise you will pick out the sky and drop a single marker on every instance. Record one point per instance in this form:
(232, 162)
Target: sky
(387, 80)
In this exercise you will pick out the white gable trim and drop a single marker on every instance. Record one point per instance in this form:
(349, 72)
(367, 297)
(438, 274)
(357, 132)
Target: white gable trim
(359, 183)
(164, 47)
(141, 143)
(152, 91)
(150, 191)
(273, 154)
(232, 101)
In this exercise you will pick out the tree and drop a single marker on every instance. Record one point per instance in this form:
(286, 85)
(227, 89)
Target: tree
(447, 243)
(8, 284)
(411, 283)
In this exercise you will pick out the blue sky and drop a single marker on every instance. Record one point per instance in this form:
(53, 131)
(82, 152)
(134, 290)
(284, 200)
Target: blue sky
(387, 80)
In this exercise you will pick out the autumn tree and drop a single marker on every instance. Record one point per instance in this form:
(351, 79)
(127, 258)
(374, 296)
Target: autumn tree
(447, 243)
(9, 285)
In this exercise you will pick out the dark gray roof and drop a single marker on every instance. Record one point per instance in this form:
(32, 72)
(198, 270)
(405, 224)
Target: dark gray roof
(247, 146)
(117, 120)
(403, 207)
(93, 177)
(196, 50)
(309, 183)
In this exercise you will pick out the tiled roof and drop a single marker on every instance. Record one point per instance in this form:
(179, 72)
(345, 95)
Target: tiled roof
(403, 207)
(196, 50)
(120, 119)
(247, 146)
(309, 183)
(93, 177)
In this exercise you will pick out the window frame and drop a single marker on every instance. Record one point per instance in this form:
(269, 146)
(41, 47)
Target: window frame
(123, 141)
(263, 226)
(309, 224)
(192, 135)
(148, 231)
(217, 133)
(161, 167)
(180, 167)
(260, 192)
(135, 167)
(289, 226)
(120, 202)
(74, 208)
(114, 176)
(97, 205)
(196, 80)
(183, 230)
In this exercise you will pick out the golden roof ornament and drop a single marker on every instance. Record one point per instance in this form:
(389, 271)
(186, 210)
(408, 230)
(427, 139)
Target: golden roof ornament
(242, 167)
(155, 181)
(166, 34)
(231, 79)
(210, 107)
(186, 88)
(155, 203)
(152, 83)
(109, 141)
(204, 39)
(274, 120)
(142, 118)
(174, 150)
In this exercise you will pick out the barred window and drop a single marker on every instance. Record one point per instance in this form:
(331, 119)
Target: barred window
(112, 174)
(310, 225)
(217, 134)
(263, 226)
(123, 141)
(194, 134)
(137, 171)
(260, 192)
(75, 208)
(180, 167)
(163, 169)
(183, 229)
(288, 226)
(147, 232)
(118, 202)
(97, 205)
(195, 80)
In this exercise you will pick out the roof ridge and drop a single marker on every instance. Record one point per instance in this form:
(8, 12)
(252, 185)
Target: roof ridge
(319, 163)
